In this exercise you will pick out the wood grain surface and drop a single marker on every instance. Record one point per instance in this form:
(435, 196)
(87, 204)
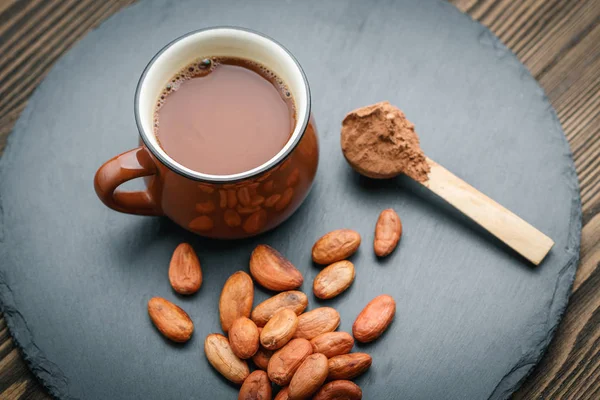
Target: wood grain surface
(558, 40)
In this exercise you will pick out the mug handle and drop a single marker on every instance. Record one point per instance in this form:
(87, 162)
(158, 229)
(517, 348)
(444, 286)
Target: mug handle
(132, 164)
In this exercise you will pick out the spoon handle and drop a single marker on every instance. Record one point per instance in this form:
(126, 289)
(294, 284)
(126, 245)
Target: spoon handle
(500, 222)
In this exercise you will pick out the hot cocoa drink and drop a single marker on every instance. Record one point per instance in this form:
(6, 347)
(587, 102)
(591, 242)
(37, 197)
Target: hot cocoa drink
(224, 116)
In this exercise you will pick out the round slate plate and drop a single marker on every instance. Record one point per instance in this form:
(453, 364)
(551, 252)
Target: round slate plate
(473, 318)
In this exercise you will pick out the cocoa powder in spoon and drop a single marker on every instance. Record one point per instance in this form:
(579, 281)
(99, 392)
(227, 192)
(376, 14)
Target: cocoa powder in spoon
(379, 142)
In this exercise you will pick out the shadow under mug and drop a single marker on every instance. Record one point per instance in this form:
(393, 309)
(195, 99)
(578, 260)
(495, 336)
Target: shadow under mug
(218, 206)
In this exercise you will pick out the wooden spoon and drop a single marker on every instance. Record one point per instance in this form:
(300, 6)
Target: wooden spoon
(373, 136)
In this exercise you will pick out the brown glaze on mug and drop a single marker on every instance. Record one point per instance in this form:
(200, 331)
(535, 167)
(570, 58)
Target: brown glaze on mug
(262, 202)
(228, 206)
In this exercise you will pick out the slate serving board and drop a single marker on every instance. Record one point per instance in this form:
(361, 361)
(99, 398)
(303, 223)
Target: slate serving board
(473, 318)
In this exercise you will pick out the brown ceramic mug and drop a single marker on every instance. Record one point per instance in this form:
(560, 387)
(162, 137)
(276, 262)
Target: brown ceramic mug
(219, 206)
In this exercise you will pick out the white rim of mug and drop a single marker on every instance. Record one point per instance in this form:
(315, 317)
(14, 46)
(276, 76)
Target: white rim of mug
(209, 178)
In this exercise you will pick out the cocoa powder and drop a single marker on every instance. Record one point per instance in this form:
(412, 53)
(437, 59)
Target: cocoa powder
(379, 142)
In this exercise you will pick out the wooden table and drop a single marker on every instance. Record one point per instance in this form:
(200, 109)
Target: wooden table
(558, 40)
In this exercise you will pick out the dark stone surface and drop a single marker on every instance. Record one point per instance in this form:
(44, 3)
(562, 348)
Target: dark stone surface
(473, 318)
